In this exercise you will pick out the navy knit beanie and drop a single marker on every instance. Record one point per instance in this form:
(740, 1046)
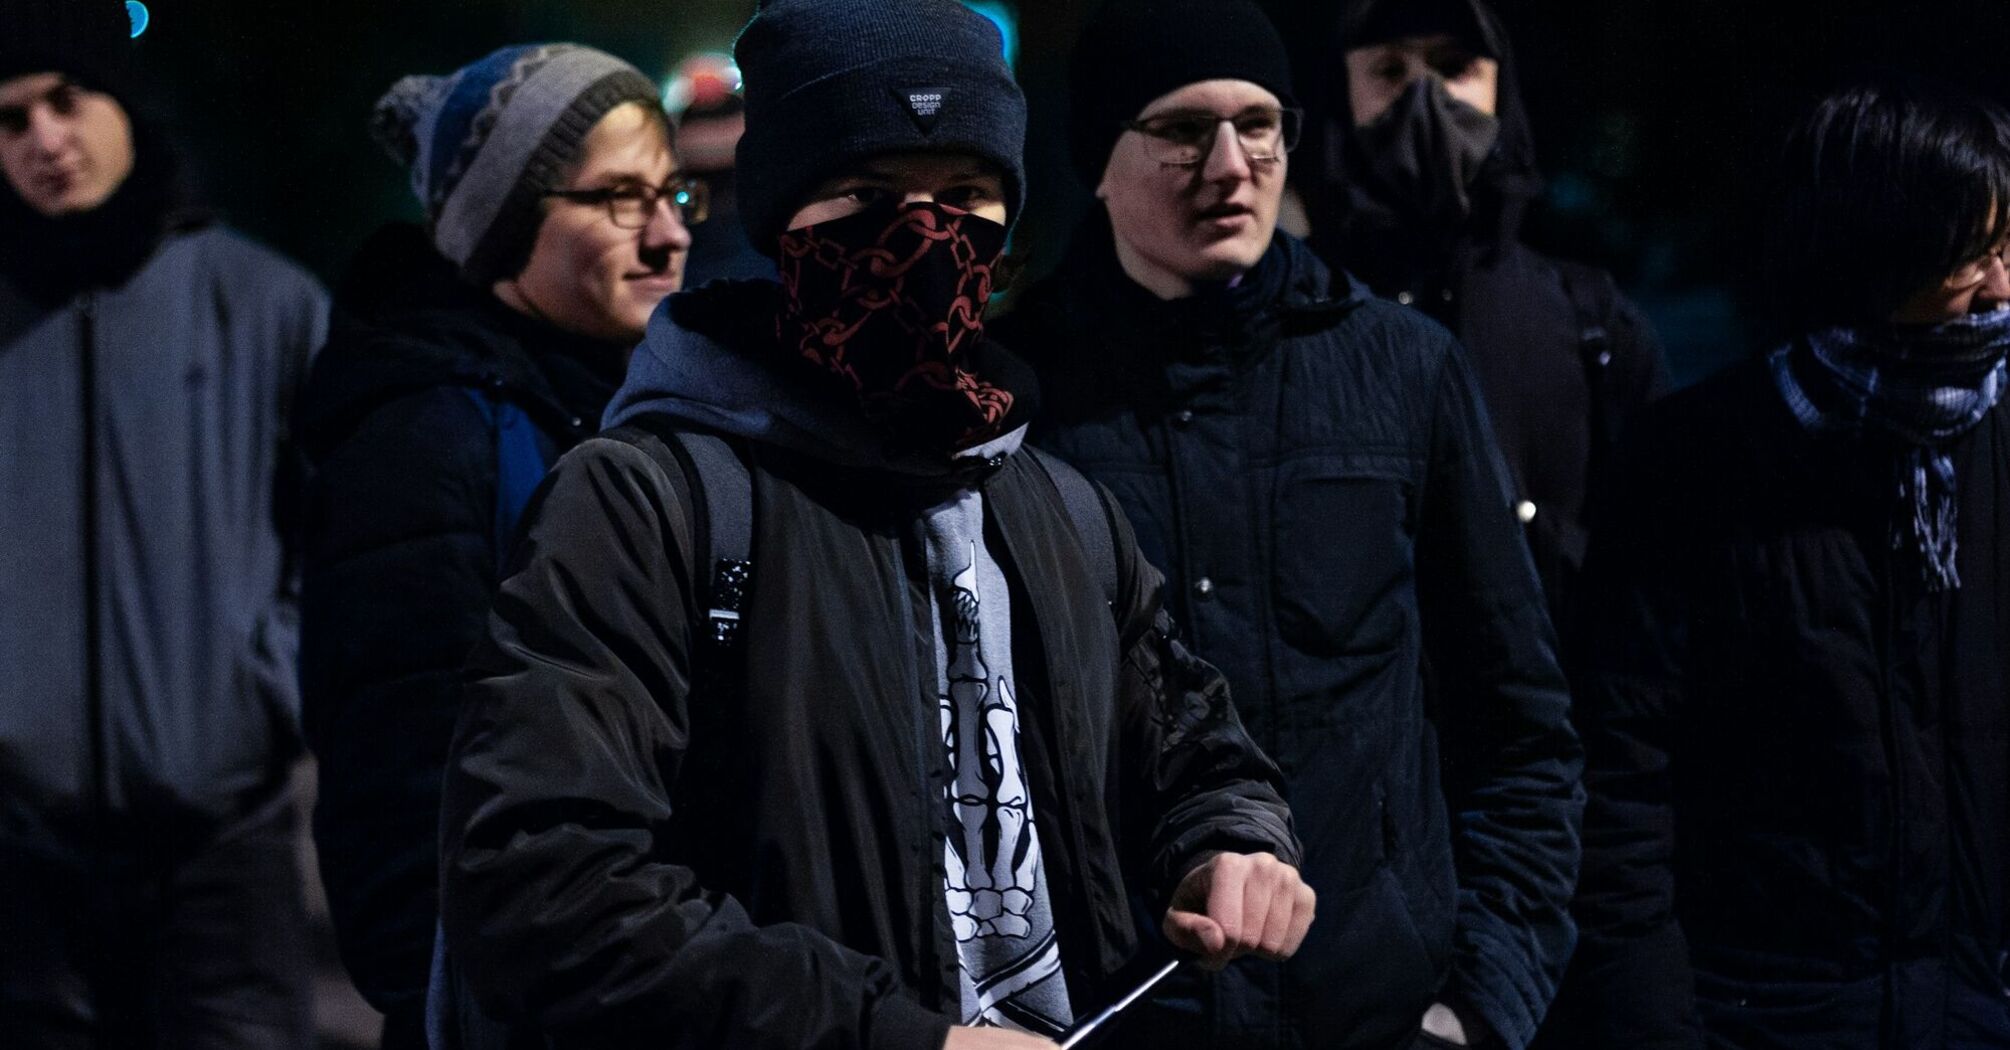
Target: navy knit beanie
(89, 41)
(830, 83)
(1133, 51)
(485, 142)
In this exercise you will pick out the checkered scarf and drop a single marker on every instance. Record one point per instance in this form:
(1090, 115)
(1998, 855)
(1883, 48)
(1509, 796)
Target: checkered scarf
(1925, 385)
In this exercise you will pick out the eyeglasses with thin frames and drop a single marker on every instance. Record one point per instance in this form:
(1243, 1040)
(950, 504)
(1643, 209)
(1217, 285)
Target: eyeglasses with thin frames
(1184, 138)
(1977, 270)
(631, 207)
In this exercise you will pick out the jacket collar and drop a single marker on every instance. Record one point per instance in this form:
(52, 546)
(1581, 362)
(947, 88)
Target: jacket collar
(404, 320)
(1139, 340)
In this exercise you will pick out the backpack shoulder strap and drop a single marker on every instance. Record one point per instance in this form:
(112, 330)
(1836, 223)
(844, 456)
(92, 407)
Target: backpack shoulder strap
(720, 492)
(1594, 298)
(718, 472)
(520, 464)
(1090, 516)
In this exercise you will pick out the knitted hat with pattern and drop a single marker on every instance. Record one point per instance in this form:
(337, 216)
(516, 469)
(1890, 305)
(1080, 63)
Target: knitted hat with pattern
(486, 142)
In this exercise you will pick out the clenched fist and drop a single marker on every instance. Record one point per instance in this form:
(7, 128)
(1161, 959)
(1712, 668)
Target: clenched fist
(1240, 904)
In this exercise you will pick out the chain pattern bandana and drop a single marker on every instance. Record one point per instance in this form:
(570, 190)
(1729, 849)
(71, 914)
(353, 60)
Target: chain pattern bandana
(892, 303)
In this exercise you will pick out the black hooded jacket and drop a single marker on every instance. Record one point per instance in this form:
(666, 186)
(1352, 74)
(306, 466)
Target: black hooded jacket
(648, 840)
(401, 555)
(1798, 758)
(1562, 358)
(1312, 468)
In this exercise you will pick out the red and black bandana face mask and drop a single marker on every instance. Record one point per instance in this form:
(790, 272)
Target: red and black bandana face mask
(892, 303)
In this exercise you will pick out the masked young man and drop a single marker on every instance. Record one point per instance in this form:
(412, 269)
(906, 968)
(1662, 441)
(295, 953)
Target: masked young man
(1795, 697)
(1312, 468)
(884, 768)
(465, 357)
(1418, 187)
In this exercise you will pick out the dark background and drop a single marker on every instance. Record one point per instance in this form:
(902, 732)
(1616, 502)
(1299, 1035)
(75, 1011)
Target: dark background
(1652, 118)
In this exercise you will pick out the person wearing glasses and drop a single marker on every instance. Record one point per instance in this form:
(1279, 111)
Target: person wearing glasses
(1312, 469)
(464, 358)
(1795, 674)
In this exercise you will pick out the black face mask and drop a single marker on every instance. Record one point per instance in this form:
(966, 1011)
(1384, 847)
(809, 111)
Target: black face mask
(1423, 154)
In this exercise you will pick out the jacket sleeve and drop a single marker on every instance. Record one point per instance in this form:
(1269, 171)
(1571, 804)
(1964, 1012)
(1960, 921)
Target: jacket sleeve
(398, 566)
(1630, 983)
(1194, 783)
(1512, 761)
(561, 905)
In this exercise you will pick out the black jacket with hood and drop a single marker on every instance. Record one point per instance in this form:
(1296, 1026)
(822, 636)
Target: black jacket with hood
(647, 841)
(1313, 469)
(1562, 358)
(401, 558)
(1798, 833)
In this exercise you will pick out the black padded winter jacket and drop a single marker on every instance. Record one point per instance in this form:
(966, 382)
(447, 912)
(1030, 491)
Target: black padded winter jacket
(1798, 759)
(401, 555)
(1313, 470)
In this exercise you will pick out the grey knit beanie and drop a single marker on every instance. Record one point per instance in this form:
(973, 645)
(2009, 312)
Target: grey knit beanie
(486, 141)
(830, 83)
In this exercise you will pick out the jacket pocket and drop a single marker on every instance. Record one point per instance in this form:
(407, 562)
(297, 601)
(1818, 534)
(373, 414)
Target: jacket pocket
(1767, 1013)
(1344, 562)
(1363, 976)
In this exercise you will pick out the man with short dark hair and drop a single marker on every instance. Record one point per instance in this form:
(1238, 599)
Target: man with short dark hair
(1795, 688)
(815, 710)
(149, 889)
(1313, 470)
(465, 357)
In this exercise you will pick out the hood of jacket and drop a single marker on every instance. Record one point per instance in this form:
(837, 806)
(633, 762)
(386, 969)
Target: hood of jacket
(711, 361)
(404, 320)
(1506, 183)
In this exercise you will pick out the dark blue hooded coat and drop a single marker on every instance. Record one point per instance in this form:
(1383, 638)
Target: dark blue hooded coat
(1313, 470)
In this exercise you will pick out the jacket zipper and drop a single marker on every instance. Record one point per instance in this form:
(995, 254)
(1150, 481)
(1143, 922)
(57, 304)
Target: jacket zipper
(94, 698)
(97, 886)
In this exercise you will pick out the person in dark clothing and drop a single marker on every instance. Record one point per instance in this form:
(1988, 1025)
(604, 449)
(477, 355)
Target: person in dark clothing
(891, 790)
(709, 123)
(1421, 167)
(149, 891)
(1794, 693)
(1313, 469)
(464, 359)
